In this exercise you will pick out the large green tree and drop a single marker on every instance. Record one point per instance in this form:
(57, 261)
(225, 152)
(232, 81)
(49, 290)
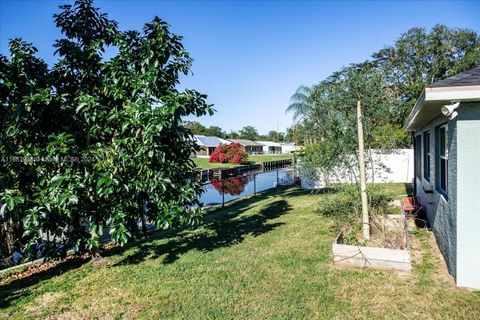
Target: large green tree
(96, 142)
(196, 127)
(215, 132)
(417, 59)
(248, 132)
(335, 144)
(296, 133)
(420, 57)
(275, 136)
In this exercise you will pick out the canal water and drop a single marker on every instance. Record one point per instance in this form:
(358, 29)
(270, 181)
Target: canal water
(237, 187)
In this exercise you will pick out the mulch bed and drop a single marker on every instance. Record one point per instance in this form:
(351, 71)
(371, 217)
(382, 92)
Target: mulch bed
(63, 264)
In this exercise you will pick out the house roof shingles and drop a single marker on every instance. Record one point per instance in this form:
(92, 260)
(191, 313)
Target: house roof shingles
(467, 78)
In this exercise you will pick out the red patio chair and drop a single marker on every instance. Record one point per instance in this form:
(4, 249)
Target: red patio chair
(410, 206)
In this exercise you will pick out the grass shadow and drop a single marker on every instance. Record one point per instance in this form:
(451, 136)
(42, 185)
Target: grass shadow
(226, 225)
(219, 230)
(16, 289)
(234, 207)
(325, 190)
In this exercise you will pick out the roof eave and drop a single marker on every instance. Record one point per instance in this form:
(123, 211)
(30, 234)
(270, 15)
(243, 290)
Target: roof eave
(416, 109)
(440, 95)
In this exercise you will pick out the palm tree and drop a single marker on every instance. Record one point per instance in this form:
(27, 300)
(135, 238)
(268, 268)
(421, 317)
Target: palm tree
(300, 103)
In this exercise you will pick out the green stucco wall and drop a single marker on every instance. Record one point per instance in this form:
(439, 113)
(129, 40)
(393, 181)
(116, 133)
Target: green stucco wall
(455, 217)
(468, 195)
(441, 210)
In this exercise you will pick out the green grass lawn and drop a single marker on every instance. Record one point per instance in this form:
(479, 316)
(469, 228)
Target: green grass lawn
(267, 257)
(204, 164)
(398, 190)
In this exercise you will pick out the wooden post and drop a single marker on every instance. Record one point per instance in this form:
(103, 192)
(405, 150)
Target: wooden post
(363, 183)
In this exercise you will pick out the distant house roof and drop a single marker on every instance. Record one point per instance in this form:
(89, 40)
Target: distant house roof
(270, 143)
(246, 143)
(467, 78)
(463, 87)
(205, 141)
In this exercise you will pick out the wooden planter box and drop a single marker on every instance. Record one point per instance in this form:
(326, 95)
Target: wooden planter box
(374, 258)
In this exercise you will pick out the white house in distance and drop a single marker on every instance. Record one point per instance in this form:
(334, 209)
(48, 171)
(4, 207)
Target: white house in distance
(249, 146)
(289, 147)
(208, 144)
(445, 123)
(270, 147)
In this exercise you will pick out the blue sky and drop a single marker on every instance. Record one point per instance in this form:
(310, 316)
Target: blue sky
(250, 56)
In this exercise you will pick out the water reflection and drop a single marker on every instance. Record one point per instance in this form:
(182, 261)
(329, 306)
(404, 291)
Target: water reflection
(221, 191)
(233, 186)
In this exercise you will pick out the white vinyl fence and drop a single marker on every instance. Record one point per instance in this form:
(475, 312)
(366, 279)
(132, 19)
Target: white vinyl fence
(382, 167)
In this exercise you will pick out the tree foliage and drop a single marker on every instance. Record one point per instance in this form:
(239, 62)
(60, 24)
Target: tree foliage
(301, 104)
(95, 143)
(333, 142)
(417, 59)
(198, 128)
(274, 136)
(420, 57)
(387, 87)
(297, 133)
(248, 132)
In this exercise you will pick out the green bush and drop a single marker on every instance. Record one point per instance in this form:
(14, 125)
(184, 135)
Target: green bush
(378, 198)
(344, 203)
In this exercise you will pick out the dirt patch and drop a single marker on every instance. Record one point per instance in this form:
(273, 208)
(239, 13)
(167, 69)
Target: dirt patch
(442, 273)
(415, 249)
(123, 306)
(424, 249)
(100, 262)
(44, 301)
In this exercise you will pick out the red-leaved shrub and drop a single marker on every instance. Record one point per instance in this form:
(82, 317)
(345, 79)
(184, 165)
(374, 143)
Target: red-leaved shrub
(229, 153)
(240, 157)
